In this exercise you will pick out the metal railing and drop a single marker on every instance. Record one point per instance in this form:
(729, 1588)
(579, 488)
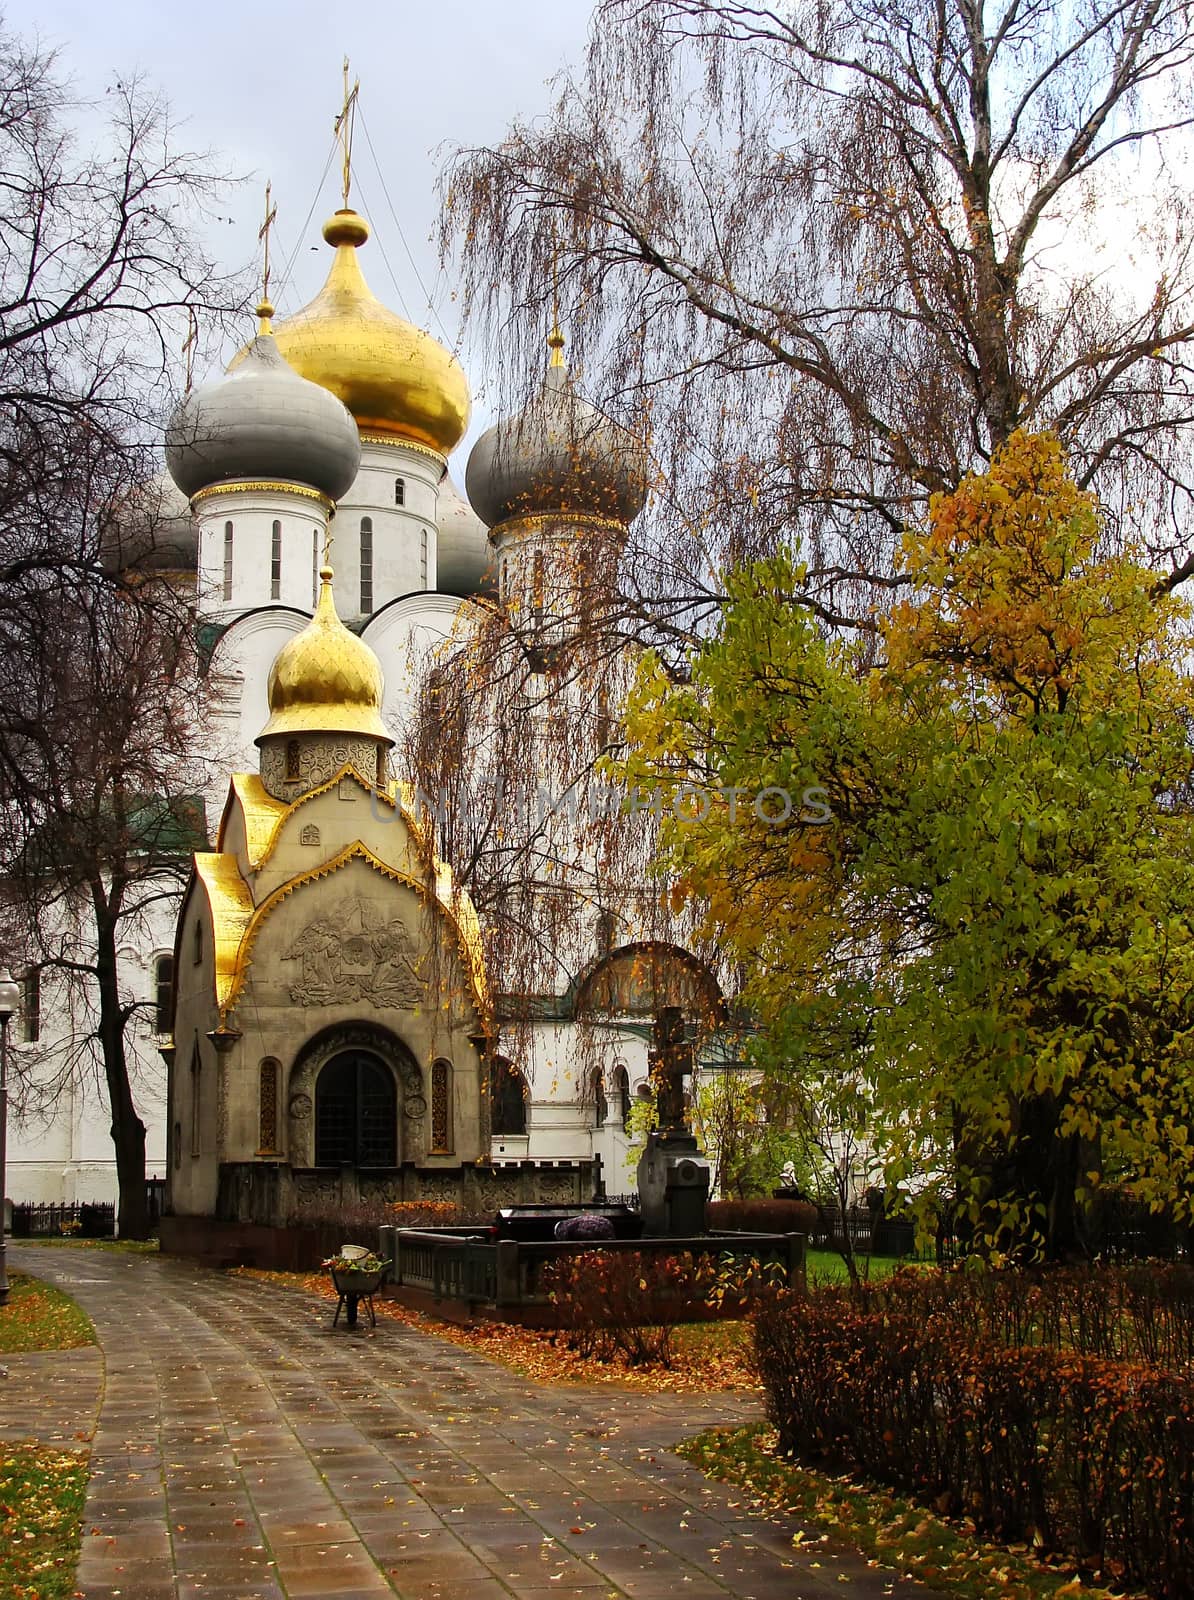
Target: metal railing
(474, 1268)
(90, 1220)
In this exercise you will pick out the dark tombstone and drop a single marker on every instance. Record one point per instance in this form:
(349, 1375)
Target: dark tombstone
(673, 1176)
(588, 1225)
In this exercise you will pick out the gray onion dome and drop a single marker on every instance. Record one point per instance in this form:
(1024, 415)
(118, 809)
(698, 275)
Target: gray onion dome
(462, 545)
(263, 421)
(560, 454)
(152, 532)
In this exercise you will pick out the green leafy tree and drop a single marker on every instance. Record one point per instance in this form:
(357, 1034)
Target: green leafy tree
(987, 947)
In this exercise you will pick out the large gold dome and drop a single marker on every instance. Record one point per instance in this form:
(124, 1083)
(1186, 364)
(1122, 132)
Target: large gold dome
(394, 378)
(325, 679)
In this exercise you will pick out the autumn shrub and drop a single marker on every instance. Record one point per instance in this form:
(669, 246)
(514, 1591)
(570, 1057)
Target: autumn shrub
(624, 1304)
(610, 1302)
(762, 1216)
(967, 1392)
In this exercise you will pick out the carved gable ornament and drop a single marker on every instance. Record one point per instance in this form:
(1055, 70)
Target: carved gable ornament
(356, 950)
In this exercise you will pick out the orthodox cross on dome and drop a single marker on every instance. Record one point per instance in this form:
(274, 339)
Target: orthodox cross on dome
(327, 550)
(189, 343)
(265, 310)
(344, 127)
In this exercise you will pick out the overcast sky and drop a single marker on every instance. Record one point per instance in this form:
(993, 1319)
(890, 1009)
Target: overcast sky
(262, 85)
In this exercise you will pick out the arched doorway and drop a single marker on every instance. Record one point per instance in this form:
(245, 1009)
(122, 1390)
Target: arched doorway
(356, 1112)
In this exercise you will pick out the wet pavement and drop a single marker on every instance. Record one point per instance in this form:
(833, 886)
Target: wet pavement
(242, 1449)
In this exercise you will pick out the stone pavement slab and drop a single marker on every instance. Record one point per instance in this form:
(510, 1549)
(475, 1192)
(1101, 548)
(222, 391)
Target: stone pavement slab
(244, 1448)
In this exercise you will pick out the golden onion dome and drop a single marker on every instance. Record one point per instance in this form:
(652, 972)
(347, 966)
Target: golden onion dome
(325, 679)
(394, 378)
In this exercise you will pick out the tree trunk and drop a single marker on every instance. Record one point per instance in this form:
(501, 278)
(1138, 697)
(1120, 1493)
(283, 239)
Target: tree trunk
(128, 1131)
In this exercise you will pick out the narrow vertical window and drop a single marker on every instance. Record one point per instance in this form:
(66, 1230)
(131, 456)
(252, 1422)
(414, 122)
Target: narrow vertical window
(292, 761)
(503, 580)
(198, 943)
(366, 564)
(267, 1108)
(314, 567)
(399, 491)
(423, 558)
(537, 583)
(227, 561)
(441, 1107)
(381, 767)
(275, 563)
(31, 1006)
(196, 1072)
(163, 993)
(622, 1089)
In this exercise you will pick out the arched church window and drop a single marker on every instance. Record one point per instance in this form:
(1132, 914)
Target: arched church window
(399, 491)
(604, 930)
(366, 564)
(163, 993)
(622, 1090)
(381, 767)
(356, 1112)
(227, 561)
(267, 1108)
(423, 558)
(292, 761)
(275, 562)
(441, 1107)
(198, 943)
(507, 1097)
(597, 1097)
(503, 580)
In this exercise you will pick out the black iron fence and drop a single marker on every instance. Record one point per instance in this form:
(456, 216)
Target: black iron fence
(88, 1220)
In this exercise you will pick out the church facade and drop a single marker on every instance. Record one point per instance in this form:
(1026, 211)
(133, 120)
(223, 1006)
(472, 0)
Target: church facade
(319, 1023)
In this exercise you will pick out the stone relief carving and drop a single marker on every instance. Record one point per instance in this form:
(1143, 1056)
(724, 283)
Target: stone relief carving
(309, 835)
(300, 1107)
(319, 761)
(356, 950)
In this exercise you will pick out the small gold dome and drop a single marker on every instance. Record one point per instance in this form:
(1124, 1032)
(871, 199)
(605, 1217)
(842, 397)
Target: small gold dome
(325, 679)
(394, 378)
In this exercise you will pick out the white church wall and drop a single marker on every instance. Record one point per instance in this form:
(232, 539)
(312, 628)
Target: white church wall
(59, 1139)
(402, 533)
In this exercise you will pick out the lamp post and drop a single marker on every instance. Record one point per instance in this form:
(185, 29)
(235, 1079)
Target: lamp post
(10, 998)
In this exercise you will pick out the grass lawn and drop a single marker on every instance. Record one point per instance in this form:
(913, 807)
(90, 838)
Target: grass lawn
(136, 1247)
(38, 1317)
(945, 1556)
(826, 1266)
(42, 1490)
(42, 1493)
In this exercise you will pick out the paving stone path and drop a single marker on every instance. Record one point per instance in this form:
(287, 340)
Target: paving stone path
(243, 1450)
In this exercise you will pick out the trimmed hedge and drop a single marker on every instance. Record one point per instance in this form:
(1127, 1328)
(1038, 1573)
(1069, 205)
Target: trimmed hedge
(762, 1216)
(912, 1384)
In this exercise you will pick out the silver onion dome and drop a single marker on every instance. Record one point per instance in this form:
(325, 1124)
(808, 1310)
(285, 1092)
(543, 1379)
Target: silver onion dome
(263, 421)
(558, 455)
(152, 531)
(462, 545)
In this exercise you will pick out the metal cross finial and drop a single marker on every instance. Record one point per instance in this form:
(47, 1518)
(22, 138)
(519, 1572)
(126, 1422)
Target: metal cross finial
(327, 547)
(555, 339)
(188, 348)
(344, 125)
(271, 213)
